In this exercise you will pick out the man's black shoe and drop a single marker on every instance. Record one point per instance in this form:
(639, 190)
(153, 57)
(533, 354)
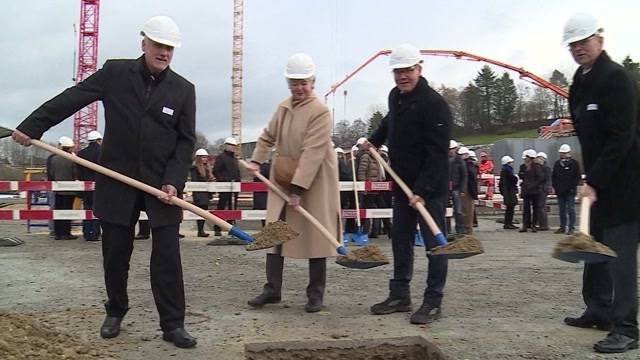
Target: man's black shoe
(110, 327)
(426, 314)
(217, 233)
(522, 230)
(391, 305)
(509, 227)
(180, 236)
(203, 234)
(587, 323)
(180, 338)
(615, 343)
(263, 299)
(559, 231)
(142, 237)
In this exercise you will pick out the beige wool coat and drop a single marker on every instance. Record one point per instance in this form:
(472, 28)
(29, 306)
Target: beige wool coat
(304, 133)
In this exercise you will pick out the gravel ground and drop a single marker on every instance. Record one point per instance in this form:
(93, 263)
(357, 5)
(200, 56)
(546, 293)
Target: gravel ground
(505, 304)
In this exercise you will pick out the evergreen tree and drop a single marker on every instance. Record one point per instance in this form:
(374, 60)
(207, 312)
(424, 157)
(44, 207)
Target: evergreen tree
(485, 82)
(374, 121)
(452, 97)
(560, 108)
(632, 67)
(470, 107)
(505, 100)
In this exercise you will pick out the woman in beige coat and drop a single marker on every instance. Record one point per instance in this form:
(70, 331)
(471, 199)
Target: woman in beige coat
(305, 166)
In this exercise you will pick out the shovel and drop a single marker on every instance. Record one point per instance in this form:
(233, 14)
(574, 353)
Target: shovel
(355, 264)
(581, 246)
(358, 237)
(435, 230)
(232, 230)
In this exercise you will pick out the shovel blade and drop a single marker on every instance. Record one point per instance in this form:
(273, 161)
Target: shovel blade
(352, 264)
(588, 257)
(462, 255)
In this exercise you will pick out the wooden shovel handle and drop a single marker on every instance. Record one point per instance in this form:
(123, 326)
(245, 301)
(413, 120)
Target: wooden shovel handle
(585, 213)
(133, 183)
(435, 230)
(299, 209)
(355, 189)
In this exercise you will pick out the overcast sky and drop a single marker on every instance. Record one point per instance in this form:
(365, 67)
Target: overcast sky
(38, 43)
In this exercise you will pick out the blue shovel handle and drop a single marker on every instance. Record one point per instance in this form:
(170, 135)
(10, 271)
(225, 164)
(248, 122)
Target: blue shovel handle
(441, 239)
(241, 235)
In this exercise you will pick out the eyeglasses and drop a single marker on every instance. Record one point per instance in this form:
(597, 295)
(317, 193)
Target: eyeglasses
(581, 43)
(404, 70)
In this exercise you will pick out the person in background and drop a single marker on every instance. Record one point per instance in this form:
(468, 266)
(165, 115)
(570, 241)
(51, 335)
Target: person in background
(486, 168)
(90, 228)
(457, 184)
(565, 178)
(541, 222)
(201, 172)
(347, 200)
(260, 198)
(369, 170)
(470, 192)
(532, 177)
(226, 169)
(509, 190)
(384, 199)
(476, 172)
(63, 170)
(604, 105)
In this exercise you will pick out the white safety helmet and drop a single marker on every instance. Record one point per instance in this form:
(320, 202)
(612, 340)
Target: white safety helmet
(404, 56)
(202, 152)
(472, 154)
(339, 150)
(65, 141)
(361, 141)
(542, 155)
(453, 144)
(300, 66)
(94, 135)
(384, 148)
(231, 141)
(530, 153)
(354, 148)
(579, 27)
(506, 159)
(163, 30)
(564, 148)
(463, 150)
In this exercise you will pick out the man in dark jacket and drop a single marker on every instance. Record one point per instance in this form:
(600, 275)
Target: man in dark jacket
(565, 178)
(61, 169)
(604, 105)
(508, 187)
(470, 190)
(226, 169)
(542, 222)
(90, 228)
(417, 130)
(149, 135)
(532, 177)
(457, 183)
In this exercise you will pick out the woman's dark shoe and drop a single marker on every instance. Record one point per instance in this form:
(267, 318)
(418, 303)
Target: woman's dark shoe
(180, 338)
(263, 299)
(110, 327)
(203, 234)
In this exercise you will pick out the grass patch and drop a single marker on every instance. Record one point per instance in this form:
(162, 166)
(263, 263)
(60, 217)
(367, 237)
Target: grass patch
(482, 139)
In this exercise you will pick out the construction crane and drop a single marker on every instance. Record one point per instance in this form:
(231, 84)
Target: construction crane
(236, 74)
(86, 120)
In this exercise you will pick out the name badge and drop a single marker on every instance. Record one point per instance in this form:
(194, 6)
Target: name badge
(591, 107)
(167, 111)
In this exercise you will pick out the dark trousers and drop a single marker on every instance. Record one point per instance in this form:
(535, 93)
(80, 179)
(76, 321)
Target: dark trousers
(349, 202)
(610, 290)
(402, 240)
(63, 227)
(200, 223)
(540, 217)
(90, 228)
(143, 228)
(381, 203)
(531, 210)
(370, 226)
(566, 203)
(508, 214)
(226, 200)
(166, 272)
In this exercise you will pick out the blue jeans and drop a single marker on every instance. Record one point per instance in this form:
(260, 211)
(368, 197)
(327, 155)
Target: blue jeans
(405, 219)
(458, 214)
(567, 209)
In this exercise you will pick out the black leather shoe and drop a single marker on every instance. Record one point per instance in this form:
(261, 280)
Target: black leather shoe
(313, 305)
(110, 327)
(180, 338)
(263, 299)
(391, 305)
(509, 227)
(203, 234)
(426, 314)
(522, 230)
(587, 323)
(615, 343)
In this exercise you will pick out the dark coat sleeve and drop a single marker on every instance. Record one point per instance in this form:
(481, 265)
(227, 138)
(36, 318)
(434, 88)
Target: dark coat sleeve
(179, 164)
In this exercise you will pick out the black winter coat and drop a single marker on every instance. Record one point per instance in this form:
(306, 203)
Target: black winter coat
(508, 186)
(472, 179)
(532, 180)
(566, 176)
(150, 139)
(226, 168)
(90, 153)
(604, 105)
(417, 130)
(458, 173)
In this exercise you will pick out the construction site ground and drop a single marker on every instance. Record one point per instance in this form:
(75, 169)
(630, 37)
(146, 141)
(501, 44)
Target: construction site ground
(505, 304)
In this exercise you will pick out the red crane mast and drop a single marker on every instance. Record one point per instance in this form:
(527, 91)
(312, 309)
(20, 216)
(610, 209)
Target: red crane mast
(86, 120)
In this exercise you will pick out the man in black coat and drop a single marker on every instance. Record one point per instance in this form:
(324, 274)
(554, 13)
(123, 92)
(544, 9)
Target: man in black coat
(565, 178)
(90, 228)
(508, 187)
(417, 130)
(149, 135)
(604, 104)
(226, 169)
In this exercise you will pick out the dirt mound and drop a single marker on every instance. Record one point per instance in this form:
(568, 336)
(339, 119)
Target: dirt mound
(369, 253)
(466, 244)
(582, 242)
(273, 234)
(24, 337)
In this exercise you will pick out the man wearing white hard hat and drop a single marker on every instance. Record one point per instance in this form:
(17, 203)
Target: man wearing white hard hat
(532, 177)
(201, 172)
(604, 105)
(508, 187)
(417, 130)
(227, 169)
(457, 183)
(540, 220)
(565, 178)
(305, 166)
(63, 170)
(90, 228)
(149, 135)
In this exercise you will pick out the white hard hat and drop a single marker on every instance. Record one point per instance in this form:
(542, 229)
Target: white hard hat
(530, 153)
(163, 30)
(404, 56)
(579, 27)
(453, 144)
(202, 152)
(463, 150)
(472, 154)
(354, 148)
(384, 148)
(339, 150)
(231, 141)
(300, 66)
(564, 148)
(94, 135)
(506, 159)
(361, 141)
(542, 154)
(65, 141)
